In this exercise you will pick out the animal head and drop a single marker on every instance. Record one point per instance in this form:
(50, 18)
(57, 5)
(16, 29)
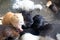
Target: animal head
(6, 18)
(16, 20)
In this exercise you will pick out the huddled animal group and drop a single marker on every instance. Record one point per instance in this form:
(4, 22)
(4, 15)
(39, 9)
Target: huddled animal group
(15, 25)
(21, 26)
(11, 26)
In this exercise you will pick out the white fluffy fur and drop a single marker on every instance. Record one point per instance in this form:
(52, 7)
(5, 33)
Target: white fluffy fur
(28, 36)
(20, 18)
(58, 36)
(26, 5)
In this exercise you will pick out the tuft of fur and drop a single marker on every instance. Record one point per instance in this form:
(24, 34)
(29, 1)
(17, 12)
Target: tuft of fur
(23, 4)
(29, 36)
(58, 36)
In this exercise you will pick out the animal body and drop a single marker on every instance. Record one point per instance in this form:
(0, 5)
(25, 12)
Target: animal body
(39, 29)
(8, 31)
(41, 26)
(15, 20)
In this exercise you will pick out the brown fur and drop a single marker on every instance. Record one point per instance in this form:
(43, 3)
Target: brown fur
(6, 18)
(8, 31)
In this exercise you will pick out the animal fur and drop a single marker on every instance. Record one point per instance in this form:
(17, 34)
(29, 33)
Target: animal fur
(38, 31)
(16, 20)
(27, 18)
(29, 36)
(22, 4)
(41, 26)
(26, 9)
(8, 31)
